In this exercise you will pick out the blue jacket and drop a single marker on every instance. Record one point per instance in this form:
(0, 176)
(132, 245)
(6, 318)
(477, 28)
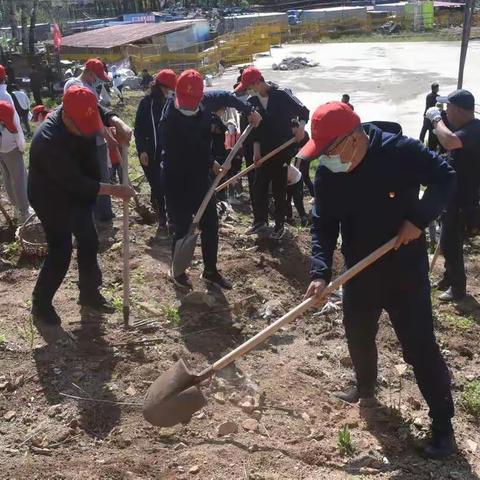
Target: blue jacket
(276, 126)
(368, 205)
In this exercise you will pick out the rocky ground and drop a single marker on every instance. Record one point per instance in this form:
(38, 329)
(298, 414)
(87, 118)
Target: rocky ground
(70, 408)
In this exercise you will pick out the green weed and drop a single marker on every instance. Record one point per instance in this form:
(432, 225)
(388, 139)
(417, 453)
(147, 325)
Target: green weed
(27, 332)
(456, 321)
(345, 444)
(11, 249)
(3, 339)
(172, 314)
(471, 398)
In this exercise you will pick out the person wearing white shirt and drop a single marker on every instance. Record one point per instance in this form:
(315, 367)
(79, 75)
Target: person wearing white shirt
(12, 147)
(22, 106)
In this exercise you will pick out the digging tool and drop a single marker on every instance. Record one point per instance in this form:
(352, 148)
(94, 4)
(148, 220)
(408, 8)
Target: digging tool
(185, 247)
(175, 395)
(253, 165)
(437, 252)
(126, 241)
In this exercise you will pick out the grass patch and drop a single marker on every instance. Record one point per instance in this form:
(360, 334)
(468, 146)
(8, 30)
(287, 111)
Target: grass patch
(11, 249)
(457, 322)
(3, 339)
(471, 399)
(345, 443)
(172, 314)
(27, 332)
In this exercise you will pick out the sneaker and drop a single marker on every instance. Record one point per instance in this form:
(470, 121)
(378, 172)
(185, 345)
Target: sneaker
(278, 232)
(452, 295)
(217, 279)
(45, 315)
(96, 301)
(352, 395)
(441, 445)
(257, 228)
(442, 285)
(182, 281)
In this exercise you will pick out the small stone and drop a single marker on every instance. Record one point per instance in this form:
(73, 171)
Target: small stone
(10, 415)
(250, 424)
(220, 398)
(306, 417)
(227, 428)
(4, 384)
(195, 469)
(54, 410)
(234, 398)
(346, 361)
(320, 355)
(220, 384)
(256, 414)
(327, 408)
(130, 391)
(200, 415)
(401, 368)
(418, 422)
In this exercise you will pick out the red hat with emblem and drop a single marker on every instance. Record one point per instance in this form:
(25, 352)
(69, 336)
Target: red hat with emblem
(7, 113)
(80, 104)
(166, 78)
(189, 90)
(250, 76)
(96, 66)
(329, 122)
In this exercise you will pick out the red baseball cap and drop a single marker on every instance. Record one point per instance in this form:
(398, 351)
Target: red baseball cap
(37, 111)
(250, 76)
(3, 74)
(80, 104)
(95, 65)
(166, 78)
(189, 89)
(329, 122)
(7, 113)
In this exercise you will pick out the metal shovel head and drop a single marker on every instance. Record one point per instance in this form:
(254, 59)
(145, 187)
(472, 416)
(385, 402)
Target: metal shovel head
(173, 397)
(183, 253)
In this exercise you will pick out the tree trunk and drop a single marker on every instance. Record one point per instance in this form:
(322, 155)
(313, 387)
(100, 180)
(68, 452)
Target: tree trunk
(13, 19)
(33, 21)
(24, 23)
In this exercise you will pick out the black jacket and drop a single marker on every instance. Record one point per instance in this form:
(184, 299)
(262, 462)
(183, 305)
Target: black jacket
(63, 168)
(276, 126)
(147, 119)
(368, 205)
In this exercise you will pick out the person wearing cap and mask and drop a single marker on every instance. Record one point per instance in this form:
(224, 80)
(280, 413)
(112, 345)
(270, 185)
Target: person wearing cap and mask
(430, 101)
(283, 116)
(64, 182)
(367, 189)
(187, 163)
(147, 140)
(12, 167)
(460, 135)
(93, 76)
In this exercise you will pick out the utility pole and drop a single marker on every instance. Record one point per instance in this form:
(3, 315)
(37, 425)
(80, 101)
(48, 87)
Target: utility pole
(467, 24)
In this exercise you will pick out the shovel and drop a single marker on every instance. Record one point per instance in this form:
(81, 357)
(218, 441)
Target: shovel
(185, 246)
(241, 174)
(126, 241)
(175, 395)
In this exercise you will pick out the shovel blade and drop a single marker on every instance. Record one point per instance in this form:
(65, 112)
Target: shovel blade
(183, 253)
(173, 397)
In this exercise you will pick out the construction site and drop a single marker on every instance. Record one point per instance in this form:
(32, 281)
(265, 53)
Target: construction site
(71, 408)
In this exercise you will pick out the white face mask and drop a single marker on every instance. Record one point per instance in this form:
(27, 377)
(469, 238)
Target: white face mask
(334, 162)
(188, 113)
(252, 92)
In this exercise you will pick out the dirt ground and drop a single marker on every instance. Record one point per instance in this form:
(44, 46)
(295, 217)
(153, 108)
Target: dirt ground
(70, 408)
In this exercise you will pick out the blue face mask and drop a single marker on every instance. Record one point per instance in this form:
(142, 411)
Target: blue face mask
(334, 163)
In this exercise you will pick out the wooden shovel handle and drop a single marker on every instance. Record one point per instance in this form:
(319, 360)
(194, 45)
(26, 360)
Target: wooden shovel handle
(295, 312)
(253, 165)
(226, 166)
(126, 243)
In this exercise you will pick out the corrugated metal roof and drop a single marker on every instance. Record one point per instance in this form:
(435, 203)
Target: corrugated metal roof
(119, 35)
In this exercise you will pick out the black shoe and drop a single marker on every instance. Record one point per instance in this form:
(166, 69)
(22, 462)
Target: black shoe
(217, 279)
(442, 285)
(441, 445)
(452, 295)
(182, 281)
(45, 315)
(257, 228)
(352, 395)
(278, 232)
(96, 301)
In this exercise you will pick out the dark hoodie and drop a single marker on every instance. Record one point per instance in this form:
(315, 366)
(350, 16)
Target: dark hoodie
(368, 205)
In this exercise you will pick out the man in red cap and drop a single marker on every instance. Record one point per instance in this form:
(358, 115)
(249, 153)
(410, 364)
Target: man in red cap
(12, 146)
(64, 182)
(186, 138)
(283, 116)
(147, 140)
(367, 188)
(92, 77)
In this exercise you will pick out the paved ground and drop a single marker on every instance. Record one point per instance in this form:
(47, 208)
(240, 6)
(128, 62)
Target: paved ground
(387, 81)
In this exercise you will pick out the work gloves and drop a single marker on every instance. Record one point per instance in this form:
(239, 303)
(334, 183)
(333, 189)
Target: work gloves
(433, 114)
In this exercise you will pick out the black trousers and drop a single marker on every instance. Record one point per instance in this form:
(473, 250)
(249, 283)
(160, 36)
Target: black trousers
(305, 171)
(410, 311)
(157, 196)
(181, 218)
(451, 243)
(295, 192)
(80, 223)
(274, 171)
